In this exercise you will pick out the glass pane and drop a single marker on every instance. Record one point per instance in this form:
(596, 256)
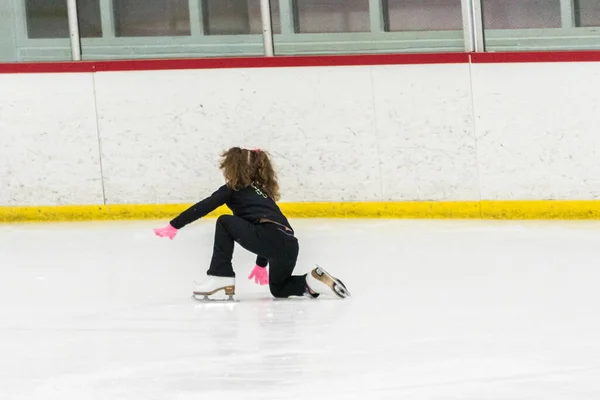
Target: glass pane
(423, 15)
(151, 18)
(48, 18)
(521, 14)
(587, 12)
(328, 16)
(237, 17)
(8, 26)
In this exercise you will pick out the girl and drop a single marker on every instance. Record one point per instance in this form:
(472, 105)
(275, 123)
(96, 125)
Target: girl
(259, 226)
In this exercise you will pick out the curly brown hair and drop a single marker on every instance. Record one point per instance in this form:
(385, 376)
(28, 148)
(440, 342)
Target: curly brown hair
(243, 167)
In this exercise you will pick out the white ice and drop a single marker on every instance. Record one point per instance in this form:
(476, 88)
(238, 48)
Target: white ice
(440, 310)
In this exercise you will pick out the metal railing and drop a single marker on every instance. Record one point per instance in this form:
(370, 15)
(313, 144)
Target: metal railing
(471, 14)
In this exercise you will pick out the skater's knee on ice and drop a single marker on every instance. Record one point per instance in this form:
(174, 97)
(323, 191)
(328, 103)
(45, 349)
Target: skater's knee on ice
(276, 291)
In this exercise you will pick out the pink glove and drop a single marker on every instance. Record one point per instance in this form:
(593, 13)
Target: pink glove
(260, 275)
(167, 231)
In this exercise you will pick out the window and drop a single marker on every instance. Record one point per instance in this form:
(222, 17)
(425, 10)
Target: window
(587, 12)
(329, 16)
(521, 14)
(423, 15)
(151, 18)
(237, 17)
(49, 19)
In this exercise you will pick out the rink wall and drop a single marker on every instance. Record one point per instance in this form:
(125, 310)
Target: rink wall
(506, 135)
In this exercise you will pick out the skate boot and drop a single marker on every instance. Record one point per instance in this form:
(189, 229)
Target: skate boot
(212, 285)
(320, 281)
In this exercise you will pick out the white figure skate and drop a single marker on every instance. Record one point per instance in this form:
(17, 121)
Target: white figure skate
(213, 285)
(322, 282)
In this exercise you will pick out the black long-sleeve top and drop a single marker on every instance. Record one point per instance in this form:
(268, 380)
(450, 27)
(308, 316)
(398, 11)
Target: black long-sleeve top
(249, 203)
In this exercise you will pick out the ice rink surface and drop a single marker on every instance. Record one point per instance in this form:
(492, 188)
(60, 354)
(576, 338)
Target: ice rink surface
(440, 310)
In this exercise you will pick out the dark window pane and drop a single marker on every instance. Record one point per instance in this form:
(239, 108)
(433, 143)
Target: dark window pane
(521, 14)
(48, 18)
(151, 18)
(237, 17)
(587, 12)
(88, 12)
(423, 15)
(328, 16)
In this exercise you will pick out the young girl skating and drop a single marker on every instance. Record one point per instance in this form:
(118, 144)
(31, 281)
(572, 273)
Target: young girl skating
(259, 226)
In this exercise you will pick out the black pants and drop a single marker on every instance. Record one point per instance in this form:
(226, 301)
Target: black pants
(269, 240)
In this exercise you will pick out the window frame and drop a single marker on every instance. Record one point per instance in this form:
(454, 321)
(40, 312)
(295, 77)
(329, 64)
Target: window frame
(288, 42)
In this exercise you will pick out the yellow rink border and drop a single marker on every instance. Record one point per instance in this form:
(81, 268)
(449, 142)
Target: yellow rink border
(541, 209)
(537, 209)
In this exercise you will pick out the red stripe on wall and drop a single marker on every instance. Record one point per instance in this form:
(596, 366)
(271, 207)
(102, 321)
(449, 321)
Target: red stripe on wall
(285, 61)
(240, 62)
(45, 67)
(536, 57)
(300, 61)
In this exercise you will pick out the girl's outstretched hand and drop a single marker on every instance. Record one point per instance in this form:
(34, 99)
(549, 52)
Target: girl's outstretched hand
(167, 231)
(260, 275)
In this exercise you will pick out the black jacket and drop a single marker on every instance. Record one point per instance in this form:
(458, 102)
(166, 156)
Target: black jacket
(249, 203)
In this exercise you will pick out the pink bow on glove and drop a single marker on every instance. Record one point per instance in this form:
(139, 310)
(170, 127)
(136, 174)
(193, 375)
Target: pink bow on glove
(167, 231)
(260, 275)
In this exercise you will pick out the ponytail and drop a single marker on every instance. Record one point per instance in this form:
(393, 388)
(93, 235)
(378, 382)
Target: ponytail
(264, 174)
(243, 168)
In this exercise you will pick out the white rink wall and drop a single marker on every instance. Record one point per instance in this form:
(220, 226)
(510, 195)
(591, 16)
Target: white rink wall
(538, 130)
(49, 150)
(363, 133)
